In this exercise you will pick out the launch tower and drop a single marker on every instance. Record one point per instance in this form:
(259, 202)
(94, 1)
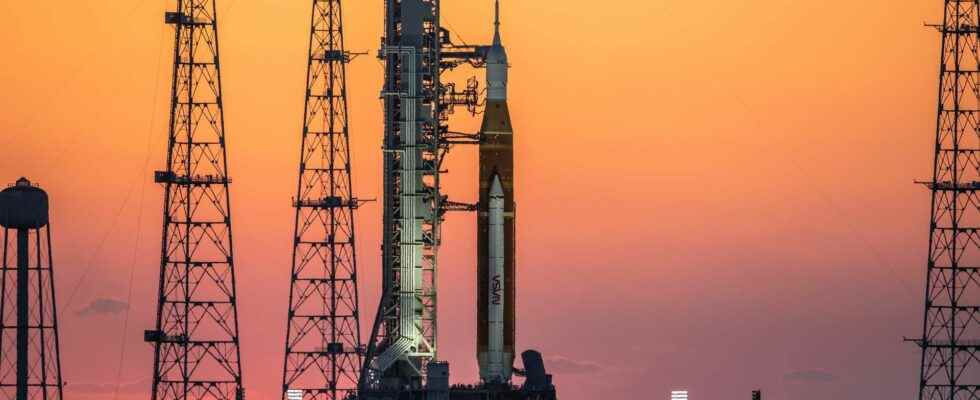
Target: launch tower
(323, 336)
(195, 341)
(402, 360)
(417, 104)
(403, 338)
(950, 341)
(30, 363)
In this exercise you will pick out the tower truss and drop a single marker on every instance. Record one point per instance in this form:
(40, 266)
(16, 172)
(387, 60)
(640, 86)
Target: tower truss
(405, 327)
(416, 50)
(196, 343)
(323, 342)
(950, 341)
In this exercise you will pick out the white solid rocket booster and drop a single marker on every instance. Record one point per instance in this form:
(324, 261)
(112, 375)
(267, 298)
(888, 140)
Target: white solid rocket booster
(495, 300)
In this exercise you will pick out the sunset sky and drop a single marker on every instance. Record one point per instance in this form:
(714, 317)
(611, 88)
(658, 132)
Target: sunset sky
(713, 195)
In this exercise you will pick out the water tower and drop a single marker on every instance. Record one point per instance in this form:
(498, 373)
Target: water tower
(30, 366)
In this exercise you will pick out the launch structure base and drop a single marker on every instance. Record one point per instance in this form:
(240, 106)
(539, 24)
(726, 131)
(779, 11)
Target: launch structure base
(460, 392)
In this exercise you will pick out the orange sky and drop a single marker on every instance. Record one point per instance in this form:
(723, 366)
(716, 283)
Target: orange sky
(714, 195)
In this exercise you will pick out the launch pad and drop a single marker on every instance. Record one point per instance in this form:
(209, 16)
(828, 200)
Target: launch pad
(195, 338)
(537, 386)
(401, 361)
(462, 392)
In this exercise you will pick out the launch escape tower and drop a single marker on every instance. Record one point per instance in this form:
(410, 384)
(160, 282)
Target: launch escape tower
(416, 50)
(30, 365)
(950, 341)
(323, 337)
(196, 347)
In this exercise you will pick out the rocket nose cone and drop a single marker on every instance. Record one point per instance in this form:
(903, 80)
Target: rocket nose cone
(496, 188)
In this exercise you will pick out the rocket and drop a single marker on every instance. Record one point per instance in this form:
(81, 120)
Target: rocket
(495, 225)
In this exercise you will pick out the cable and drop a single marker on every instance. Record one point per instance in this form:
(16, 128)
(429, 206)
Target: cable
(453, 30)
(139, 222)
(115, 218)
(129, 294)
(98, 249)
(830, 202)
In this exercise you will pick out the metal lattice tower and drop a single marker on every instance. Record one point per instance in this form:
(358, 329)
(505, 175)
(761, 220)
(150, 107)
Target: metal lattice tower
(30, 365)
(196, 344)
(404, 333)
(950, 339)
(323, 339)
(416, 50)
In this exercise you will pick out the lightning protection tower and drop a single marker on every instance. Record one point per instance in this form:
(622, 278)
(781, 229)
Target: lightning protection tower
(196, 346)
(30, 366)
(323, 339)
(950, 341)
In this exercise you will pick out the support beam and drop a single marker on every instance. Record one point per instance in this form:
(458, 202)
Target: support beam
(23, 313)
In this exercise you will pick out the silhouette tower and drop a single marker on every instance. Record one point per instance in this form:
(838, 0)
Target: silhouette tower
(196, 346)
(950, 341)
(323, 339)
(30, 366)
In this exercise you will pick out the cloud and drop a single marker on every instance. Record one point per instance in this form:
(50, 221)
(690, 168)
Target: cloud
(102, 306)
(810, 376)
(140, 386)
(565, 365)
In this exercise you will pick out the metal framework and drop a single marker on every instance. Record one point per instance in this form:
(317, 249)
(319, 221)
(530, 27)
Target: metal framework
(405, 327)
(323, 337)
(196, 343)
(30, 363)
(417, 106)
(950, 341)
